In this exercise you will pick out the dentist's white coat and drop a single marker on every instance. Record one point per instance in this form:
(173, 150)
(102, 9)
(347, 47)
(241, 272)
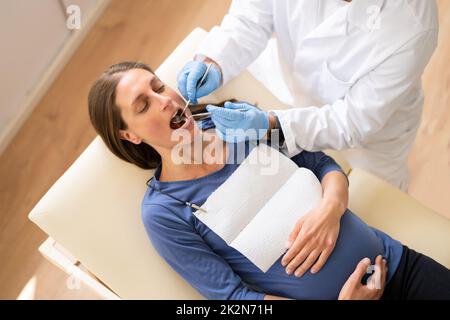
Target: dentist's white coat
(351, 72)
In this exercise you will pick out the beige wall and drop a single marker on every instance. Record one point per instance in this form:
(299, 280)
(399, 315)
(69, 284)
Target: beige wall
(34, 47)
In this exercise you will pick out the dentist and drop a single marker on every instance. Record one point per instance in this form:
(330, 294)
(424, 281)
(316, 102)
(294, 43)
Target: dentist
(350, 70)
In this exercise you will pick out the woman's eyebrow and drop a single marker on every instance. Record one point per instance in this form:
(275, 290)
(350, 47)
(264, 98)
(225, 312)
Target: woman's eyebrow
(139, 97)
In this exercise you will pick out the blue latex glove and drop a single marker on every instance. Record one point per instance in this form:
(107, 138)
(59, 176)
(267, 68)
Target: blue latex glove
(238, 122)
(190, 76)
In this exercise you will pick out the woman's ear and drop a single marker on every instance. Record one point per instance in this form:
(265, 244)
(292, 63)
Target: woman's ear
(126, 135)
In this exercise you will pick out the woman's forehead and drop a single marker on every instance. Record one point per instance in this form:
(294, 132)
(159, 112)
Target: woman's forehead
(130, 85)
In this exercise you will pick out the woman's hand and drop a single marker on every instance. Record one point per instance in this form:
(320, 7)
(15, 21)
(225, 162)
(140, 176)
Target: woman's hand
(313, 239)
(354, 290)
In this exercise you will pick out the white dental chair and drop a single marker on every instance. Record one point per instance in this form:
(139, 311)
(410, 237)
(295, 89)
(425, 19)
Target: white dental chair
(92, 213)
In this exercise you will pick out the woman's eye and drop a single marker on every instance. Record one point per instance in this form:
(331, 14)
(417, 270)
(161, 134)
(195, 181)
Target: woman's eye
(163, 87)
(145, 107)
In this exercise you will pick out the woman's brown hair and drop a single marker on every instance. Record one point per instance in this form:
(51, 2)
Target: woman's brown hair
(107, 121)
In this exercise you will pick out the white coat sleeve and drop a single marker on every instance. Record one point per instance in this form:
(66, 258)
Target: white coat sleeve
(364, 111)
(241, 37)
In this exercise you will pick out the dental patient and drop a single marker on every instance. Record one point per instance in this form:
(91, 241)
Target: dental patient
(329, 250)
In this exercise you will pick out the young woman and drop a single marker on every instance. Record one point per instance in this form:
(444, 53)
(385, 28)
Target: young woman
(133, 112)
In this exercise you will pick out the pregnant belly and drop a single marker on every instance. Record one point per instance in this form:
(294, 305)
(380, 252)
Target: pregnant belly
(356, 241)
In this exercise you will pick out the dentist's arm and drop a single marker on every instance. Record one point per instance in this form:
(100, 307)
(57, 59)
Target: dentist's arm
(367, 108)
(234, 45)
(350, 122)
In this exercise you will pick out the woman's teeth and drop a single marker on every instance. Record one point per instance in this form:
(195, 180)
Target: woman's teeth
(178, 120)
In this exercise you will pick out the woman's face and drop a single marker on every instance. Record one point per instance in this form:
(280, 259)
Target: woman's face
(147, 107)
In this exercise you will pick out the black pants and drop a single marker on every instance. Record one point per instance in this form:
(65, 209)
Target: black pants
(418, 277)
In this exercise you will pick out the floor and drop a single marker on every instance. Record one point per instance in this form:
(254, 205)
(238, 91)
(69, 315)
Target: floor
(59, 130)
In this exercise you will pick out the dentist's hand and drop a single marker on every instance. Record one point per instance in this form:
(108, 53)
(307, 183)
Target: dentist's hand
(190, 76)
(238, 122)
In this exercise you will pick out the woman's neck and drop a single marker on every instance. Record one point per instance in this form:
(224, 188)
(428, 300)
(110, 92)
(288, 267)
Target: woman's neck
(194, 168)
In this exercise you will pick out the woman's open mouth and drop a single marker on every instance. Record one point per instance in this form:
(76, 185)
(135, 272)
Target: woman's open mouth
(179, 120)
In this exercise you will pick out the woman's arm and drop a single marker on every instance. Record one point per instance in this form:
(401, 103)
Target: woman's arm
(314, 236)
(335, 192)
(241, 37)
(187, 253)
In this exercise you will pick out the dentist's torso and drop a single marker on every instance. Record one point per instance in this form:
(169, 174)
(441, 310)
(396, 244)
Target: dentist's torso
(324, 47)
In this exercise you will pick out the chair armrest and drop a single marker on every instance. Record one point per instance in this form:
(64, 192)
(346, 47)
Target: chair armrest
(60, 257)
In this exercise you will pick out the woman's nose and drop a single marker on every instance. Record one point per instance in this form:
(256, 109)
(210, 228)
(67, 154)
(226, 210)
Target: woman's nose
(164, 102)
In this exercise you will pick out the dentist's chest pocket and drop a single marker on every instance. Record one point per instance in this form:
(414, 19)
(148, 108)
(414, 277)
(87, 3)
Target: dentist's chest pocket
(331, 87)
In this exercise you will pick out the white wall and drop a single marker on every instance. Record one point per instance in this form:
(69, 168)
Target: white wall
(34, 46)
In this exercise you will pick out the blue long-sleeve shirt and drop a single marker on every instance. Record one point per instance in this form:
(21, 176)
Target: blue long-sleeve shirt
(219, 271)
